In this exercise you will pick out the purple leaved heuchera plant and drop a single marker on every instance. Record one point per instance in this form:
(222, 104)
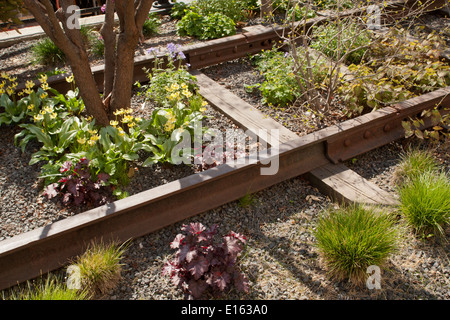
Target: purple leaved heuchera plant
(77, 185)
(202, 263)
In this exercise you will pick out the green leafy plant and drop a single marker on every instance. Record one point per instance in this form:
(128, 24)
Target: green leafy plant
(396, 68)
(425, 203)
(345, 40)
(211, 26)
(236, 10)
(151, 25)
(179, 110)
(351, 239)
(179, 10)
(283, 83)
(202, 263)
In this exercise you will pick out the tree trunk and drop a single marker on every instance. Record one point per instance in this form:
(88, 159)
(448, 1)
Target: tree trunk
(69, 41)
(131, 20)
(119, 62)
(109, 38)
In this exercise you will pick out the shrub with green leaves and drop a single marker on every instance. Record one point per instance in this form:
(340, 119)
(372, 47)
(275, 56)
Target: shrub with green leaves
(234, 9)
(394, 68)
(151, 25)
(425, 203)
(204, 27)
(179, 109)
(281, 86)
(46, 52)
(343, 39)
(350, 239)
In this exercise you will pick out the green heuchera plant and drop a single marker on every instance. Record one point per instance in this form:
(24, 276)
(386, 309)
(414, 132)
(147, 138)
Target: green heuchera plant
(202, 263)
(211, 26)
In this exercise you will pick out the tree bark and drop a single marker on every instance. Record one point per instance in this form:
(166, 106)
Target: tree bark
(119, 54)
(109, 38)
(69, 41)
(131, 17)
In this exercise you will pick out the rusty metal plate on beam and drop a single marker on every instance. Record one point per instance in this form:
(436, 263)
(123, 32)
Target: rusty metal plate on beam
(380, 127)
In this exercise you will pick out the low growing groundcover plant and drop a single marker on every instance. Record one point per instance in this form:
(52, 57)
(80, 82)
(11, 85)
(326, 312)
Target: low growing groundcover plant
(202, 263)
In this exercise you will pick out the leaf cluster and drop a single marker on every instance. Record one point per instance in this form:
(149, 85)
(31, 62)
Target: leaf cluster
(211, 26)
(202, 263)
(77, 186)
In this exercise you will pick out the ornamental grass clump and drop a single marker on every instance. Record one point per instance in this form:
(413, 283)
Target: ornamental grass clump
(425, 203)
(46, 52)
(413, 163)
(350, 239)
(202, 263)
(99, 267)
(50, 288)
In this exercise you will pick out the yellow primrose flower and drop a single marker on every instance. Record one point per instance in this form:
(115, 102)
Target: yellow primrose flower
(187, 93)
(92, 131)
(4, 75)
(121, 132)
(118, 112)
(81, 140)
(174, 96)
(114, 123)
(29, 84)
(166, 88)
(131, 124)
(91, 142)
(45, 86)
(129, 111)
(70, 79)
(31, 107)
(43, 78)
(95, 137)
(138, 119)
(204, 103)
(202, 109)
(48, 109)
(53, 115)
(10, 91)
(27, 91)
(127, 119)
(174, 87)
(44, 95)
(38, 117)
(184, 86)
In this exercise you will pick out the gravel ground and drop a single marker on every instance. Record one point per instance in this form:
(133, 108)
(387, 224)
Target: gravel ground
(281, 258)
